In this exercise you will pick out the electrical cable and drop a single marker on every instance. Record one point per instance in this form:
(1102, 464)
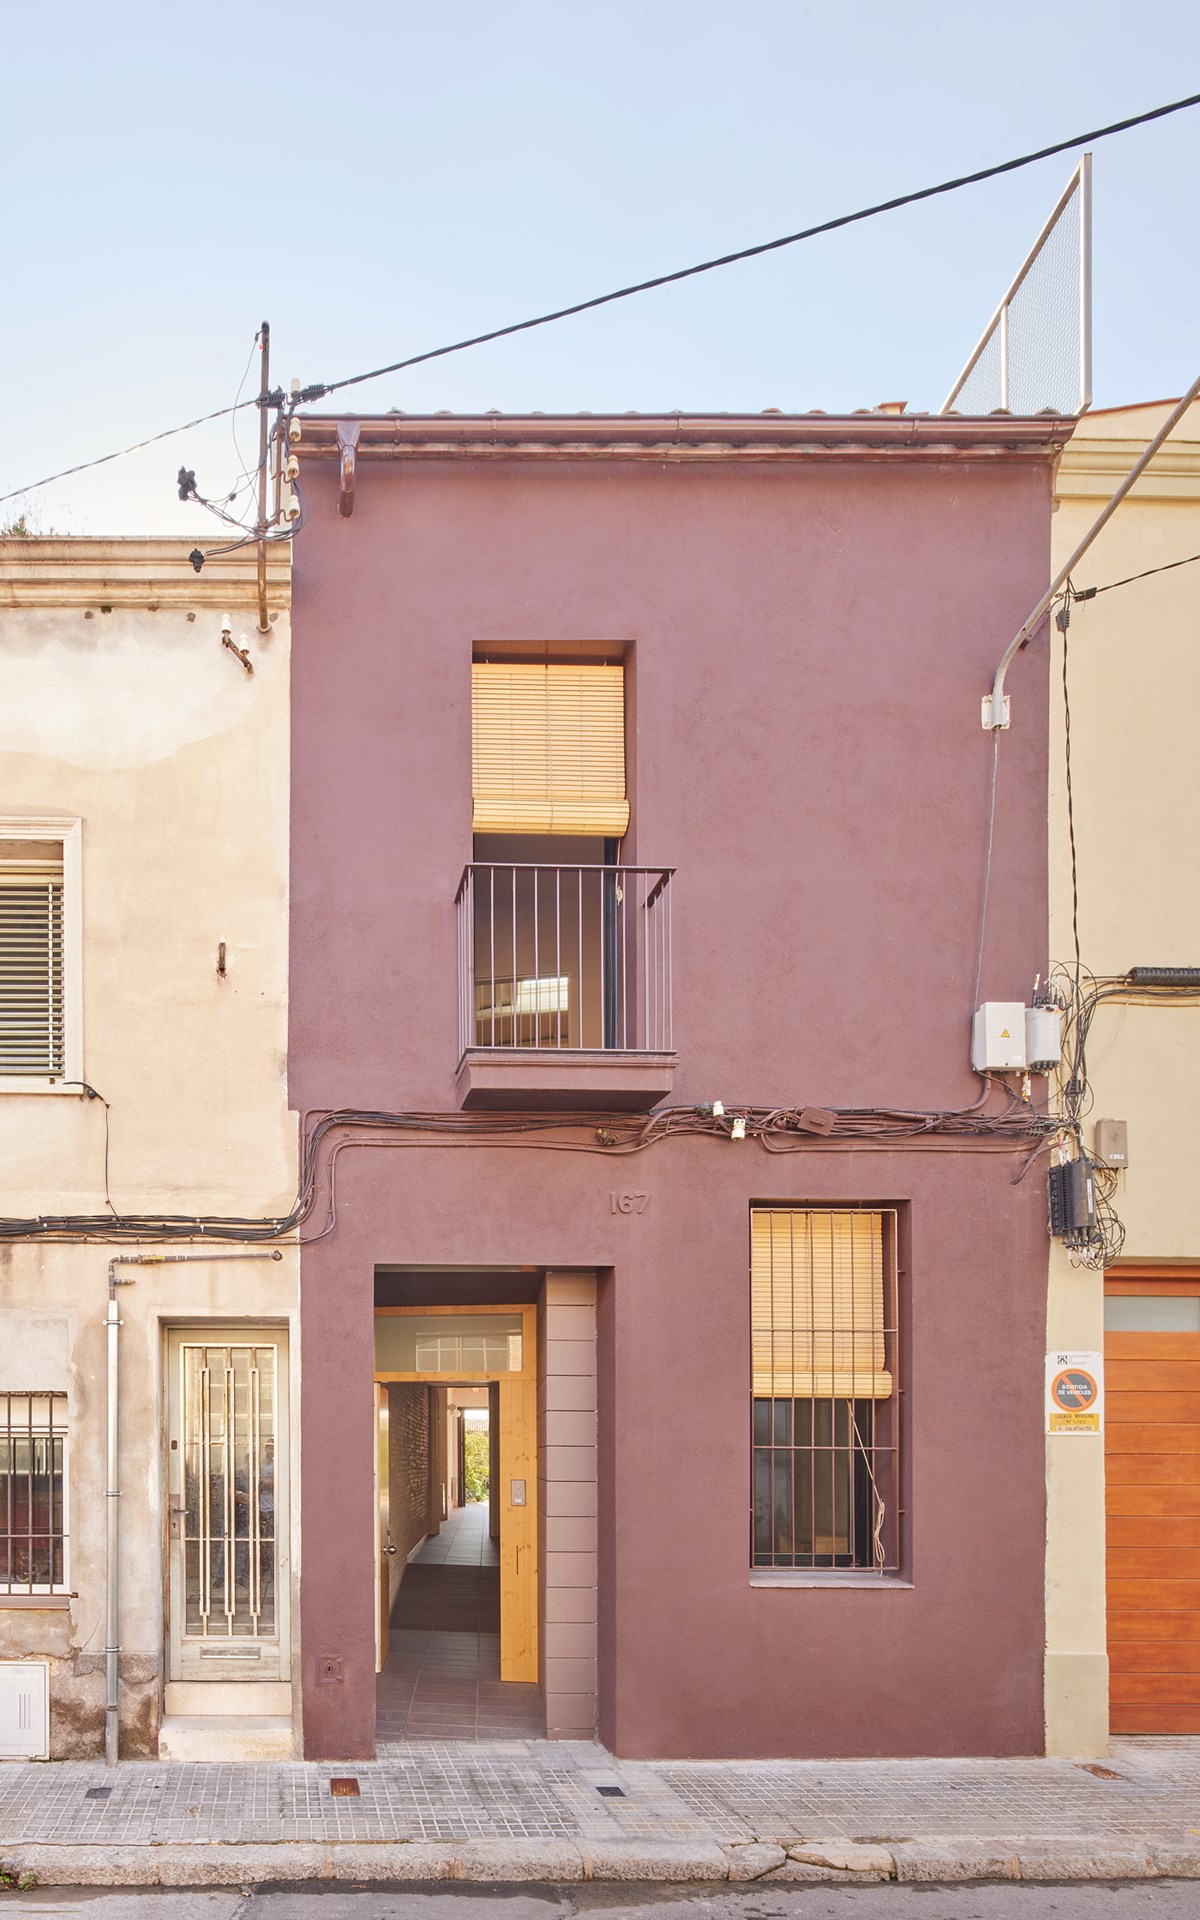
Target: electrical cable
(84, 466)
(1089, 593)
(772, 246)
(967, 1129)
(317, 390)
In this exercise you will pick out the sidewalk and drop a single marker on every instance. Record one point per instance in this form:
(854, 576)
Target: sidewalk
(532, 1810)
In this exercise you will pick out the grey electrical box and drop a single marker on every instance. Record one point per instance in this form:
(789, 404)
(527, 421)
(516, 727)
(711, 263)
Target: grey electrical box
(1112, 1143)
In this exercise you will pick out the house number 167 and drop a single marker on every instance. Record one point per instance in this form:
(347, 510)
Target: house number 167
(628, 1202)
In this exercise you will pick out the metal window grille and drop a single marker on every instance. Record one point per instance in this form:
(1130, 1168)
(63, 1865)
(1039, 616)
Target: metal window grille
(33, 1492)
(32, 1025)
(1036, 350)
(825, 1404)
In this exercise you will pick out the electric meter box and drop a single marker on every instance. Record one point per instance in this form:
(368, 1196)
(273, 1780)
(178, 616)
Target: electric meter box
(1043, 1038)
(998, 1036)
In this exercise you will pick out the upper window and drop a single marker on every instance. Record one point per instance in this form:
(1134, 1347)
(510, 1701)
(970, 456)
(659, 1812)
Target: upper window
(825, 1416)
(33, 1492)
(548, 748)
(40, 987)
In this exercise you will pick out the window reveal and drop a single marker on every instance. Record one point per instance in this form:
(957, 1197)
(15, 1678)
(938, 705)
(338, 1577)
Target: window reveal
(825, 1414)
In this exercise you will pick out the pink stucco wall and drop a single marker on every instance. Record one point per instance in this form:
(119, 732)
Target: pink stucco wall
(808, 643)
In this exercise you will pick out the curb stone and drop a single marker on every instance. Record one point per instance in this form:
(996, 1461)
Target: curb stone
(1178, 1862)
(515, 1860)
(518, 1861)
(1087, 1860)
(953, 1860)
(850, 1856)
(750, 1859)
(653, 1860)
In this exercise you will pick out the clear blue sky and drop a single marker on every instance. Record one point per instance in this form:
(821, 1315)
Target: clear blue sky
(378, 178)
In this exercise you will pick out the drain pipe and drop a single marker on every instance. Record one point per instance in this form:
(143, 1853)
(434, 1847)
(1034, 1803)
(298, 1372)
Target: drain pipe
(112, 1576)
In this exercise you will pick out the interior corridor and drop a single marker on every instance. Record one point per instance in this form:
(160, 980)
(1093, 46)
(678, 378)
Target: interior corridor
(441, 1679)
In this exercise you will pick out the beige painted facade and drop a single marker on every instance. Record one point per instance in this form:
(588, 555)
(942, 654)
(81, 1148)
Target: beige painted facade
(129, 729)
(1134, 657)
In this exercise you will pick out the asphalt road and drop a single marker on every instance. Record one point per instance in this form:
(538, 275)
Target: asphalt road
(1153, 1900)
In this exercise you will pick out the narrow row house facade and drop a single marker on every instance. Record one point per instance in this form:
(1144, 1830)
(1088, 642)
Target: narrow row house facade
(1123, 1567)
(638, 845)
(487, 1097)
(148, 1524)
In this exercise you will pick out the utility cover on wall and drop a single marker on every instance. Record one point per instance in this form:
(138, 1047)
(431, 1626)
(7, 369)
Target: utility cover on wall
(24, 1710)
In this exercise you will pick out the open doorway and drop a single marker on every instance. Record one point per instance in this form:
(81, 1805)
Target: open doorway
(457, 1549)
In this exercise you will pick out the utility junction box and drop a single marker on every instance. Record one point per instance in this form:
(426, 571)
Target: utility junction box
(998, 1036)
(1112, 1143)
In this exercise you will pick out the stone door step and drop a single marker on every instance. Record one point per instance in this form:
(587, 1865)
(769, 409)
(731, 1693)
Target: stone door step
(225, 1736)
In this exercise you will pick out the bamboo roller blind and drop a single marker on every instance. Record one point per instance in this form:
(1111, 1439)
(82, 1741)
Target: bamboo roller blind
(548, 749)
(817, 1294)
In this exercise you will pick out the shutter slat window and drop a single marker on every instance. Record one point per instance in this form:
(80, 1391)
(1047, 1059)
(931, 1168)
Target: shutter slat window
(817, 1294)
(548, 749)
(31, 969)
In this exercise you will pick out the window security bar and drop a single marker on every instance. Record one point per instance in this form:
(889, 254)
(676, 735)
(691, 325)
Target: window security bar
(826, 1382)
(33, 1492)
(557, 957)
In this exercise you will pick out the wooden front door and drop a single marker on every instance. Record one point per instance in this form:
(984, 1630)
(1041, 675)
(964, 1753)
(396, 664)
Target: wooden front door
(1152, 1463)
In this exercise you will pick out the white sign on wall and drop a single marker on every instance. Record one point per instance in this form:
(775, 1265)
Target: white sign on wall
(1074, 1393)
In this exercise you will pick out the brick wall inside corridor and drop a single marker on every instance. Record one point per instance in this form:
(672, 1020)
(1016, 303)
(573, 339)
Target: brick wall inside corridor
(408, 1472)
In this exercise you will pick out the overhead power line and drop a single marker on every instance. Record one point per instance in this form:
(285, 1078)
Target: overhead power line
(1168, 566)
(318, 390)
(772, 246)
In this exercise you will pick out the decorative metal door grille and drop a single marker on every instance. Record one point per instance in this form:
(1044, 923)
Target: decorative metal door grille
(229, 1396)
(33, 1493)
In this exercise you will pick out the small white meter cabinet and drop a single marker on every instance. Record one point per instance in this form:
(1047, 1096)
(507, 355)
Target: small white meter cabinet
(24, 1710)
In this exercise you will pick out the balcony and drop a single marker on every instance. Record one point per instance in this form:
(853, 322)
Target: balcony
(564, 978)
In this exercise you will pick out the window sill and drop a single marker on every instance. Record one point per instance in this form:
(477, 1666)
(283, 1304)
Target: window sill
(834, 1577)
(55, 1602)
(71, 1088)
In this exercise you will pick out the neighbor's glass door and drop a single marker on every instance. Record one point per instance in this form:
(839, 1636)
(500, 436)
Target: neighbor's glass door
(227, 1483)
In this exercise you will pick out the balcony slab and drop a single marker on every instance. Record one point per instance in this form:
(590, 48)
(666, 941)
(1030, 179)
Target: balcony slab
(564, 1080)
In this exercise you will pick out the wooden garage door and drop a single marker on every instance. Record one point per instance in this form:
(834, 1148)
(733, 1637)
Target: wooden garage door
(1152, 1459)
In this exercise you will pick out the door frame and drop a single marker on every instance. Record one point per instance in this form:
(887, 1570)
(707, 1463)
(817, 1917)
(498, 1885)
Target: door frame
(518, 1467)
(228, 1331)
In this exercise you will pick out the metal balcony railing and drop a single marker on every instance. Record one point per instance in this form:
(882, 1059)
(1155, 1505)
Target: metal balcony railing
(565, 957)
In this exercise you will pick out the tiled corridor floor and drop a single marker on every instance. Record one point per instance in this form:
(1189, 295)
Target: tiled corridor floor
(442, 1676)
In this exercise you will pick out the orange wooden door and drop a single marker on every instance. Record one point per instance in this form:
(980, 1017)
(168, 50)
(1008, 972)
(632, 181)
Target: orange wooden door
(1152, 1462)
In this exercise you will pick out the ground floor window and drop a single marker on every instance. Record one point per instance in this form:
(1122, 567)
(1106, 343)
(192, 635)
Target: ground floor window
(825, 1432)
(33, 1492)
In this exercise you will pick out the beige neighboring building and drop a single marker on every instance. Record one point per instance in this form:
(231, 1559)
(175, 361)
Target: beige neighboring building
(1134, 680)
(143, 1032)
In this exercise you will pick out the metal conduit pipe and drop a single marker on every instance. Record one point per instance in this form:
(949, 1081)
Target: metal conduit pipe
(112, 1574)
